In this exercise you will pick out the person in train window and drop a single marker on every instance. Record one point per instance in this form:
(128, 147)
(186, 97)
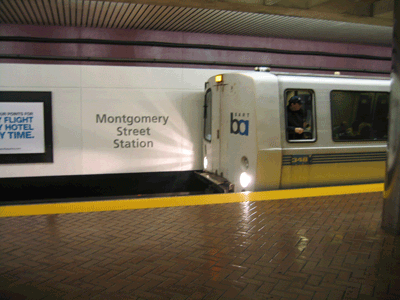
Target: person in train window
(365, 131)
(295, 117)
(343, 131)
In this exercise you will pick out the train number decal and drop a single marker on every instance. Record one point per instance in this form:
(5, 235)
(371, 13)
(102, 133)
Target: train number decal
(301, 159)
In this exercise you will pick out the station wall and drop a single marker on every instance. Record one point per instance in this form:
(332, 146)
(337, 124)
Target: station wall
(96, 109)
(135, 47)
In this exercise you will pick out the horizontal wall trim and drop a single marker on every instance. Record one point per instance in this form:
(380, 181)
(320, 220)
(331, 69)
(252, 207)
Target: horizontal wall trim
(183, 62)
(193, 46)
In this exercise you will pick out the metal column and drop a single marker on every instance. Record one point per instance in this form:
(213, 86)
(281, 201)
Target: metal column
(391, 203)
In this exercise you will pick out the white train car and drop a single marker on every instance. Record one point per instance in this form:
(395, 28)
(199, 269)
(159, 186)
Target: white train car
(248, 141)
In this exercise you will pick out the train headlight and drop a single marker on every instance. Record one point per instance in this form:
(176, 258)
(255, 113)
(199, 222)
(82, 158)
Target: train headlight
(244, 179)
(205, 162)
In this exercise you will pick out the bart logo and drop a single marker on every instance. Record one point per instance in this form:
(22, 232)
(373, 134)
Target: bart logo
(239, 126)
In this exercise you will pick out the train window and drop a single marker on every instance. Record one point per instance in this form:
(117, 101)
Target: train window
(359, 115)
(207, 116)
(300, 115)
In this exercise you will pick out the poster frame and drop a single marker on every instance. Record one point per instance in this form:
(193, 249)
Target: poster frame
(32, 97)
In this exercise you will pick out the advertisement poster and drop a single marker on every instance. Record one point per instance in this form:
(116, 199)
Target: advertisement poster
(26, 131)
(21, 128)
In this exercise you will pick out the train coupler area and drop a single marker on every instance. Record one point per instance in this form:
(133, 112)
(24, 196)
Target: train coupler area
(215, 182)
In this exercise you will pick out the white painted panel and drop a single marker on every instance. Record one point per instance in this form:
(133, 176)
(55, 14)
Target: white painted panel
(20, 75)
(67, 140)
(67, 132)
(131, 77)
(82, 146)
(192, 107)
(107, 112)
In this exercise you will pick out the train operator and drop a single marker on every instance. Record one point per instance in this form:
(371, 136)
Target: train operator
(295, 115)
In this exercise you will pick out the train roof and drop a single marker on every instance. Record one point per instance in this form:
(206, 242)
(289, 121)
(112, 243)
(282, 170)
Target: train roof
(324, 75)
(266, 70)
(330, 76)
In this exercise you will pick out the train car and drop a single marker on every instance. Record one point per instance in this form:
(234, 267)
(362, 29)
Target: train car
(250, 140)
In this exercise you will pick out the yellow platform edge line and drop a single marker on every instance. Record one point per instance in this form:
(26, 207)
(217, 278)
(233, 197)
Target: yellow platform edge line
(109, 205)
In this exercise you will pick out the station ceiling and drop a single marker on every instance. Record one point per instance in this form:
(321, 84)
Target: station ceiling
(349, 21)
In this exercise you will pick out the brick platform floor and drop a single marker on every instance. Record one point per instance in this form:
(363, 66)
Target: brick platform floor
(310, 248)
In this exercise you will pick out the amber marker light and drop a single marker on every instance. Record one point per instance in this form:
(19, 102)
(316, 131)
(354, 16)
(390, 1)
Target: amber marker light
(218, 78)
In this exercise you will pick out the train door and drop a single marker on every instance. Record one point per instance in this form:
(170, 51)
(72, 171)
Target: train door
(211, 138)
(228, 139)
